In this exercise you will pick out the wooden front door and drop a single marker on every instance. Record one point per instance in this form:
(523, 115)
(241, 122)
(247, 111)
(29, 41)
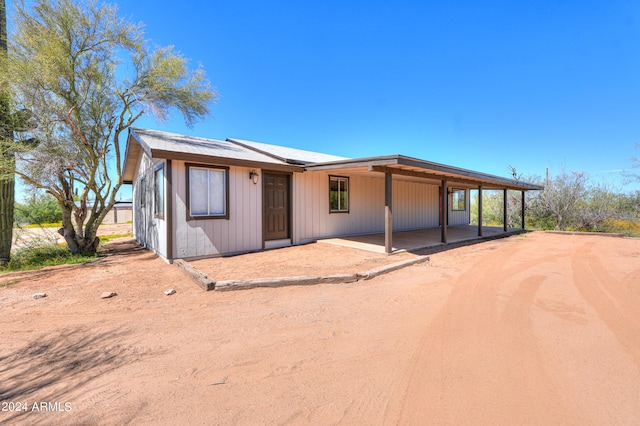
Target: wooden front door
(276, 206)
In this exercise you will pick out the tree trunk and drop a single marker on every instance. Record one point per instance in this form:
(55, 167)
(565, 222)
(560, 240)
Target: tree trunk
(86, 244)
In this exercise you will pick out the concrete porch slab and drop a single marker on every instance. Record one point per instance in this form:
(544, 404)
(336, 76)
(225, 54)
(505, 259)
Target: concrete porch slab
(420, 239)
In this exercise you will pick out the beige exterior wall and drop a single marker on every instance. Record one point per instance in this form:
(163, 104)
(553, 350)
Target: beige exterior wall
(241, 232)
(460, 217)
(118, 215)
(415, 206)
(311, 217)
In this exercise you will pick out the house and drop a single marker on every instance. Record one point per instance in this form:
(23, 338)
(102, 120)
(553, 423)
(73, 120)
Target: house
(195, 197)
(121, 212)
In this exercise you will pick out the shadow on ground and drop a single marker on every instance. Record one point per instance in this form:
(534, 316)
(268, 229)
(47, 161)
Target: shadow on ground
(455, 245)
(54, 367)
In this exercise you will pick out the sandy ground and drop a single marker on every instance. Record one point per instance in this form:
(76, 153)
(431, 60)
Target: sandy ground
(307, 260)
(533, 329)
(29, 237)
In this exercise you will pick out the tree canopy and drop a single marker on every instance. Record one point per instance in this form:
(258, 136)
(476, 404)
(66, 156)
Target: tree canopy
(78, 76)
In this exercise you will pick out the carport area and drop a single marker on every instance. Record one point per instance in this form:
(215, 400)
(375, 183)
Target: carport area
(407, 241)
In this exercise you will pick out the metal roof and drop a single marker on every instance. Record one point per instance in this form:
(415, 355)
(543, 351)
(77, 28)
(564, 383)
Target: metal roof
(172, 142)
(286, 154)
(240, 152)
(422, 169)
(158, 144)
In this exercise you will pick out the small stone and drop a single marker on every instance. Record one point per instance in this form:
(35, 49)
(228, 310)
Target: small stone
(39, 295)
(170, 291)
(108, 294)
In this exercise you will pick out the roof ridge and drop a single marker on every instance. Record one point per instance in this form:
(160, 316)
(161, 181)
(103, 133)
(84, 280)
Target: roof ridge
(270, 154)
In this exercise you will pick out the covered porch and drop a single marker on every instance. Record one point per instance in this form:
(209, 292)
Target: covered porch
(450, 180)
(407, 241)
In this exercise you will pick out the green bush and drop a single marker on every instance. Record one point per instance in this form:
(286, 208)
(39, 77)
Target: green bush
(40, 208)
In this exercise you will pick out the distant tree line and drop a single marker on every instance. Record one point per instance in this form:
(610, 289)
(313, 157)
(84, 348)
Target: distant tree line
(569, 202)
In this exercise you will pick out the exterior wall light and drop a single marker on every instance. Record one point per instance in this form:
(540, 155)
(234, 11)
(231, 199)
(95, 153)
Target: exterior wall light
(254, 177)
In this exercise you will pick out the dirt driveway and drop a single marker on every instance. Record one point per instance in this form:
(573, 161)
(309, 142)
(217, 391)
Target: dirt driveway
(533, 329)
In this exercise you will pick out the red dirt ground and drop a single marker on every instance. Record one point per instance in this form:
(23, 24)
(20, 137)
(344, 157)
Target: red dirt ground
(533, 329)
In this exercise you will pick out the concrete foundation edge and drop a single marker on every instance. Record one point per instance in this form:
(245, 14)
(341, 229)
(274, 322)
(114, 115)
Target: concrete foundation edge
(207, 283)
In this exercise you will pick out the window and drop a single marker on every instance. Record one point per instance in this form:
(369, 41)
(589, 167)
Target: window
(208, 189)
(338, 194)
(458, 199)
(143, 191)
(158, 180)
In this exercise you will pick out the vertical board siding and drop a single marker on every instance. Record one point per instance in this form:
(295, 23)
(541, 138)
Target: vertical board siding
(415, 206)
(460, 217)
(148, 230)
(140, 212)
(242, 231)
(159, 225)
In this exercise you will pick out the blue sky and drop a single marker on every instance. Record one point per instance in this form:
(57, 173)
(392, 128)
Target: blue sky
(479, 85)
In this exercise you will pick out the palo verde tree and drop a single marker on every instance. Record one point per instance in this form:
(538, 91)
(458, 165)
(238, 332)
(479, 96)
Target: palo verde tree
(86, 75)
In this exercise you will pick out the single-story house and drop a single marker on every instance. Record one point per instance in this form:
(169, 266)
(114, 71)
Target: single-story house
(195, 197)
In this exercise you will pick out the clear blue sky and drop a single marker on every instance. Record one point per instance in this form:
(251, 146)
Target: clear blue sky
(479, 85)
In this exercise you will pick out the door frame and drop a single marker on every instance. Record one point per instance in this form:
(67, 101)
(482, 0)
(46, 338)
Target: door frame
(289, 205)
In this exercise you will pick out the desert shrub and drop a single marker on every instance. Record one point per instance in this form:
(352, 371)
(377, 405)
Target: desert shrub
(627, 227)
(39, 209)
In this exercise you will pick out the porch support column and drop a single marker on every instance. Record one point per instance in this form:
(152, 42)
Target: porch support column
(388, 212)
(523, 213)
(445, 210)
(504, 210)
(479, 210)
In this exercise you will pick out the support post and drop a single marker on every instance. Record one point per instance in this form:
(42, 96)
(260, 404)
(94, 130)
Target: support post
(504, 201)
(523, 213)
(445, 210)
(479, 210)
(388, 212)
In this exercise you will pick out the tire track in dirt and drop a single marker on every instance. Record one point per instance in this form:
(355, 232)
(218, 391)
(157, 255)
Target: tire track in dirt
(466, 364)
(611, 298)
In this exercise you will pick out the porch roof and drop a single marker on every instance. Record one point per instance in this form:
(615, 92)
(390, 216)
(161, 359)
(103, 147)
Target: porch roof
(415, 168)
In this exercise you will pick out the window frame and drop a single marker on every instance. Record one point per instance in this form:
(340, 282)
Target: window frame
(348, 191)
(188, 167)
(456, 206)
(142, 197)
(158, 196)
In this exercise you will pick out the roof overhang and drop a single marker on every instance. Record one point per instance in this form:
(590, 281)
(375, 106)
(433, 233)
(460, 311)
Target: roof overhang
(425, 170)
(136, 147)
(132, 154)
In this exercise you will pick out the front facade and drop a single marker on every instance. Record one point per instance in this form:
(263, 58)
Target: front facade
(195, 198)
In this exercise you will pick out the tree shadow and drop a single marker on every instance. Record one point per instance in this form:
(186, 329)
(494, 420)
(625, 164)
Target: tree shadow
(54, 366)
(109, 252)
